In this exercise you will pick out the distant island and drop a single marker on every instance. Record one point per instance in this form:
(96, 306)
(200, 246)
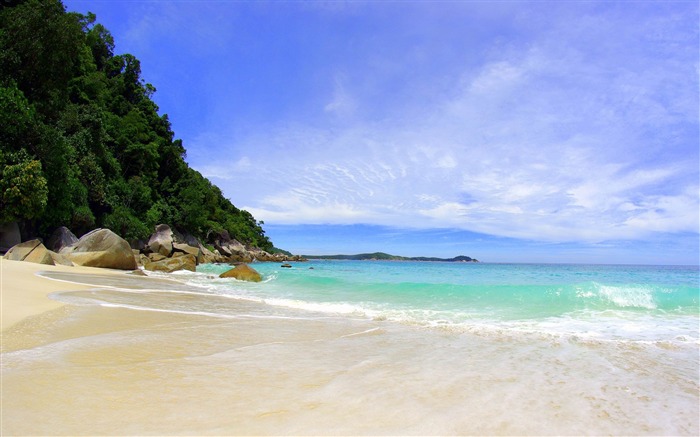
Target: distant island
(381, 256)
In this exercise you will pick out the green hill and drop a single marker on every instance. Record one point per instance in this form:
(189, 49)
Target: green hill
(83, 145)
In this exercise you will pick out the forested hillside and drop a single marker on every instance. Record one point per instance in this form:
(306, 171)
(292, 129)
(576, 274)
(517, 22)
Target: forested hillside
(83, 145)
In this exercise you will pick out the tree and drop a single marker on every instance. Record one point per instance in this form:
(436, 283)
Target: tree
(79, 131)
(23, 190)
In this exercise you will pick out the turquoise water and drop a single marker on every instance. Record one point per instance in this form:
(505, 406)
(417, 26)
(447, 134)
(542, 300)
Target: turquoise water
(597, 301)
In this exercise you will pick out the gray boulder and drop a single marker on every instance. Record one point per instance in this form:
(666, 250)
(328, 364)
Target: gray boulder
(61, 237)
(162, 240)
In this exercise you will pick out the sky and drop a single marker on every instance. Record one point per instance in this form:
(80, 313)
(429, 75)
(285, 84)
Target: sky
(508, 131)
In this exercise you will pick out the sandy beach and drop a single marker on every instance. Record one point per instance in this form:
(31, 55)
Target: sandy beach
(24, 294)
(110, 353)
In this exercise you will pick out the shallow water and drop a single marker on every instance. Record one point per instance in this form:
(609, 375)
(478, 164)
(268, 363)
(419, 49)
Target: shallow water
(364, 348)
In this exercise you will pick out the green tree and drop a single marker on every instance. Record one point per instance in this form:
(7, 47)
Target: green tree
(79, 132)
(23, 190)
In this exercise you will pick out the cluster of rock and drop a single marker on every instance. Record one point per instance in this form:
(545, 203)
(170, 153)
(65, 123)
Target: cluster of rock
(166, 251)
(167, 247)
(99, 248)
(231, 250)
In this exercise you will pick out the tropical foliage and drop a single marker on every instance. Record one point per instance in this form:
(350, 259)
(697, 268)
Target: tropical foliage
(83, 145)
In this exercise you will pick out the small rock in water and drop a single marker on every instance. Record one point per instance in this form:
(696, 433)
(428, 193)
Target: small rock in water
(242, 272)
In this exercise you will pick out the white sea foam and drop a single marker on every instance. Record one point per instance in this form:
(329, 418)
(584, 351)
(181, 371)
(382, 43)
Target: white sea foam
(628, 296)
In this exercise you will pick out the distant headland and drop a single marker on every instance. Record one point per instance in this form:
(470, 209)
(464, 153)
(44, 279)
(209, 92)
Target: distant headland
(381, 256)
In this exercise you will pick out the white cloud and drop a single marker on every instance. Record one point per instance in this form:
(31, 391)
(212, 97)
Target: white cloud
(586, 131)
(495, 77)
(342, 103)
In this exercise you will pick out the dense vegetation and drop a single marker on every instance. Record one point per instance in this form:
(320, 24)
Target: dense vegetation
(82, 144)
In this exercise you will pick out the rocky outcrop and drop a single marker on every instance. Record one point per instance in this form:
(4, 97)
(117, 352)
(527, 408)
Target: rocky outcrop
(162, 240)
(101, 248)
(34, 251)
(60, 259)
(242, 272)
(31, 251)
(179, 262)
(231, 249)
(167, 250)
(187, 249)
(61, 237)
(210, 257)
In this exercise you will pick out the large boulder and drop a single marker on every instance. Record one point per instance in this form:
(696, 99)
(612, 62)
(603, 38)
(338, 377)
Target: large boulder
(61, 237)
(190, 240)
(59, 259)
(186, 248)
(20, 251)
(102, 248)
(223, 250)
(40, 255)
(162, 240)
(181, 262)
(242, 272)
(30, 251)
(9, 236)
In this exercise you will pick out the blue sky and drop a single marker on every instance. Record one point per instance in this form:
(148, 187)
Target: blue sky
(508, 131)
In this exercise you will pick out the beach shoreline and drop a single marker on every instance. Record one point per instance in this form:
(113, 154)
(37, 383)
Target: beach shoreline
(24, 293)
(116, 354)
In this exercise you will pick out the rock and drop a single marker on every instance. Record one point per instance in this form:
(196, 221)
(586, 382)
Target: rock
(30, 251)
(162, 240)
(102, 248)
(241, 257)
(40, 255)
(141, 259)
(60, 259)
(61, 237)
(155, 257)
(223, 250)
(9, 236)
(177, 236)
(242, 272)
(208, 256)
(182, 262)
(186, 248)
(190, 240)
(20, 251)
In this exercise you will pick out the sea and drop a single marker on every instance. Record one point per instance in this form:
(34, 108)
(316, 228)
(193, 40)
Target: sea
(338, 347)
(633, 304)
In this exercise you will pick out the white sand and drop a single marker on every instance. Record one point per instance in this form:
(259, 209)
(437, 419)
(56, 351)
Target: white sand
(23, 293)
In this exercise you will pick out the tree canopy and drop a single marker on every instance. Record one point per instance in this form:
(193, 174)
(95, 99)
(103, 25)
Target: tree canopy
(83, 145)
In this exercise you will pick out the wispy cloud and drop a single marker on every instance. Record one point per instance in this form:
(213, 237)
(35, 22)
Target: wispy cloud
(570, 139)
